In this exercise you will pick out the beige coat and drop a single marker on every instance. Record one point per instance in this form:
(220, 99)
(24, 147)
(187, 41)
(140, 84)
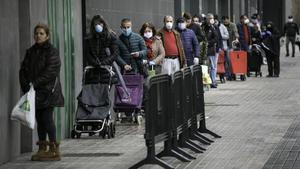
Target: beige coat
(158, 51)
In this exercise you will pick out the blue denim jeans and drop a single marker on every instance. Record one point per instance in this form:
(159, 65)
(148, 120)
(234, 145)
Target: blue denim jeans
(213, 68)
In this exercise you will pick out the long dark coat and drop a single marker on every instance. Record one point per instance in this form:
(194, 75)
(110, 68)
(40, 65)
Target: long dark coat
(41, 67)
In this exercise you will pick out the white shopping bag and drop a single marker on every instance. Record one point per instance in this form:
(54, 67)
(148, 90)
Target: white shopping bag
(205, 75)
(24, 111)
(297, 38)
(282, 41)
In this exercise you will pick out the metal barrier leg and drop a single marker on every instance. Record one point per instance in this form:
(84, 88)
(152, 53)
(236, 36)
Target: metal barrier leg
(183, 152)
(196, 145)
(191, 147)
(171, 152)
(201, 140)
(203, 137)
(152, 159)
(205, 130)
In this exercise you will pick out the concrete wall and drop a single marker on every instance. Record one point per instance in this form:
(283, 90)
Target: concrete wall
(139, 11)
(18, 19)
(9, 88)
(276, 17)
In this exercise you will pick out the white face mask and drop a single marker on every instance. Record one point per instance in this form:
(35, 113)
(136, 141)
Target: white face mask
(169, 25)
(291, 20)
(246, 21)
(148, 35)
(98, 28)
(181, 26)
(212, 21)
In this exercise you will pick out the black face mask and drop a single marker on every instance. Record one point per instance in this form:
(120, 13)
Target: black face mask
(270, 29)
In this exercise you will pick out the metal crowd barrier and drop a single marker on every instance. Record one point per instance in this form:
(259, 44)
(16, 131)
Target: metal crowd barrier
(175, 115)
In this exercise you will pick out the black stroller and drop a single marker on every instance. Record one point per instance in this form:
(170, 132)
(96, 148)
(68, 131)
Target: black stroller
(94, 114)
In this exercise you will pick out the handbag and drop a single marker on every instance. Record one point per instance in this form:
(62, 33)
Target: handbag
(24, 110)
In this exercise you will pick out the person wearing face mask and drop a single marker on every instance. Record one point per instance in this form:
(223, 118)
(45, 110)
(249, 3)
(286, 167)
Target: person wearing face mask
(290, 30)
(244, 33)
(189, 41)
(101, 49)
(132, 49)
(194, 24)
(232, 30)
(41, 68)
(271, 46)
(212, 39)
(175, 57)
(155, 48)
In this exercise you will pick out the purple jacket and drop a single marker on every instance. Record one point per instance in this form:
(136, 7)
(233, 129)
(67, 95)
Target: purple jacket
(190, 45)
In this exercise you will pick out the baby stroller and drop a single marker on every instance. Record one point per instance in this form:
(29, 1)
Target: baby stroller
(94, 113)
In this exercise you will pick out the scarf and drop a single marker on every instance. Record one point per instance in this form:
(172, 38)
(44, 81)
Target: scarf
(148, 43)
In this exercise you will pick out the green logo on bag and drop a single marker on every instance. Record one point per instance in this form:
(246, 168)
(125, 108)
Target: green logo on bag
(25, 106)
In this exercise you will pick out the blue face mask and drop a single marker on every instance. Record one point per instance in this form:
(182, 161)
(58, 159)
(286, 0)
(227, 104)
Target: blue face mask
(98, 28)
(126, 32)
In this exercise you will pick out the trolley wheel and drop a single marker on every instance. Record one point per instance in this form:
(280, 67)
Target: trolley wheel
(78, 135)
(248, 74)
(91, 133)
(103, 133)
(243, 77)
(233, 77)
(113, 130)
(109, 131)
(73, 133)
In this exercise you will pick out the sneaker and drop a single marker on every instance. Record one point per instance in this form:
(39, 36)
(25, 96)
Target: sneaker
(276, 75)
(293, 56)
(213, 86)
(287, 55)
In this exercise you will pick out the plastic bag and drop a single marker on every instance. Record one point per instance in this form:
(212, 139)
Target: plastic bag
(24, 111)
(205, 76)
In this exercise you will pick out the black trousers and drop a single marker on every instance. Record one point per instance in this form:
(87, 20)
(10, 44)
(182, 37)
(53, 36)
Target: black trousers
(273, 64)
(45, 124)
(288, 40)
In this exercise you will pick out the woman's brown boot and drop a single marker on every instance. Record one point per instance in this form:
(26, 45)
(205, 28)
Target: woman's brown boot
(53, 154)
(41, 152)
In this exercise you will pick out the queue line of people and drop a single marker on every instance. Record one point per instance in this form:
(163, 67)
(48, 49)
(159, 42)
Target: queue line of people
(183, 42)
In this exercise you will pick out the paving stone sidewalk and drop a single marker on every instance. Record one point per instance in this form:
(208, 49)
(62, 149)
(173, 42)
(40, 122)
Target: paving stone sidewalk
(258, 120)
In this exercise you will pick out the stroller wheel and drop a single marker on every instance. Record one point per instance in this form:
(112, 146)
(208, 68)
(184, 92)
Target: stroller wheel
(113, 130)
(103, 132)
(92, 133)
(78, 135)
(73, 133)
(109, 132)
(243, 77)
(248, 74)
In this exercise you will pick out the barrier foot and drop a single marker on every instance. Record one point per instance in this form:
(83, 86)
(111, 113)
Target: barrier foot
(174, 153)
(190, 146)
(203, 137)
(201, 140)
(196, 145)
(210, 132)
(153, 160)
(184, 153)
